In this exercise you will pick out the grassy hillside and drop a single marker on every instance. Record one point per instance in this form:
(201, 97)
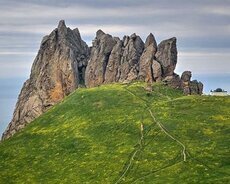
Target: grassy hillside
(123, 134)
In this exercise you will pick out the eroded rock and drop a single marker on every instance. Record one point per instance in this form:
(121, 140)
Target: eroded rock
(146, 60)
(129, 65)
(58, 70)
(190, 87)
(173, 81)
(156, 70)
(112, 69)
(167, 56)
(99, 58)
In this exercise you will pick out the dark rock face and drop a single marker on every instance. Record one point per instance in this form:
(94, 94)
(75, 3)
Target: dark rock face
(186, 76)
(112, 70)
(167, 56)
(113, 60)
(200, 88)
(58, 69)
(129, 64)
(196, 87)
(173, 81)
(193, 87)
(101, 50)
(146, 60)
(65, 62)
(157, 71)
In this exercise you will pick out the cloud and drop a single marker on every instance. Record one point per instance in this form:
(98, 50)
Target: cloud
(15, 68)
(197, 25)
(218, 9)
(17, 53)
(185, 19)
(204, 62)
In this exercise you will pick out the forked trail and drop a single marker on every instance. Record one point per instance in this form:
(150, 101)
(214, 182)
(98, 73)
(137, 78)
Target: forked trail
(163, 129)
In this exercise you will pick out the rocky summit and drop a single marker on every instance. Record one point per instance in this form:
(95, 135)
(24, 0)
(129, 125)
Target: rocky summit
(64, 63)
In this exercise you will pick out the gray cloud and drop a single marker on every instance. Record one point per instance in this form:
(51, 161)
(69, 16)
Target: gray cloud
(121, 3)
(204, 62)
(200, 26)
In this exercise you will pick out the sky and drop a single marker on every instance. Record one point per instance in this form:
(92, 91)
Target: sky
(202, 28)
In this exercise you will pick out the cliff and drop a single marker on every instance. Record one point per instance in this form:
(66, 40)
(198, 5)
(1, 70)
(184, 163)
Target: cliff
(64, 63)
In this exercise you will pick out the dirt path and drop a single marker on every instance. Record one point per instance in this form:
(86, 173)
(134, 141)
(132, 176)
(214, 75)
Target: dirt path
(169, 135)
(141, 145)
(161, 126)
(127, 168)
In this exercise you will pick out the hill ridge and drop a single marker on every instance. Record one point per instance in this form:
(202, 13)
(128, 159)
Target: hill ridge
(65, 62)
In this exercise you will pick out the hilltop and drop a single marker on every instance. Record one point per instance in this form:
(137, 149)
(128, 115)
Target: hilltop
(65, 63)
(123, 133)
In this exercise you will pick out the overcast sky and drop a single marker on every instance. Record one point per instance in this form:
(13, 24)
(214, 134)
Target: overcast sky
(202, 28)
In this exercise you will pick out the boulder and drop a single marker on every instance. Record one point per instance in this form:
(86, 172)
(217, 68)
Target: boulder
(186, 76)
(190, 87)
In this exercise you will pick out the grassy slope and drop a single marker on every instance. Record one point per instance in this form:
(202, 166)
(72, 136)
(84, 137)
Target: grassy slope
(94, 136)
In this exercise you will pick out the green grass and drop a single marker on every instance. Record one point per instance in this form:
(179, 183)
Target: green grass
(94, 136)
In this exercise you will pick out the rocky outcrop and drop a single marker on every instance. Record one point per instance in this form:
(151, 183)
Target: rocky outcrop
(58, 69)
(146, 65)
(186, 77)
(173, 81)
(200, 88)
(64, 63)
(113, 60)
(167, 56)
(129, 65)
(100, 53)
(112, 69)
(196, 87)
(157, 71)
(190, 87)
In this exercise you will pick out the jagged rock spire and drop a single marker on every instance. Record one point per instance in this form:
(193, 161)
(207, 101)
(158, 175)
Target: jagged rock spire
(148, 71)
(112, 69)
(151, 40)
(61, 24)
(167, 56)
(58, 70)
(62, 29)
(129, 64)
(102, 47)
(99, 33)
